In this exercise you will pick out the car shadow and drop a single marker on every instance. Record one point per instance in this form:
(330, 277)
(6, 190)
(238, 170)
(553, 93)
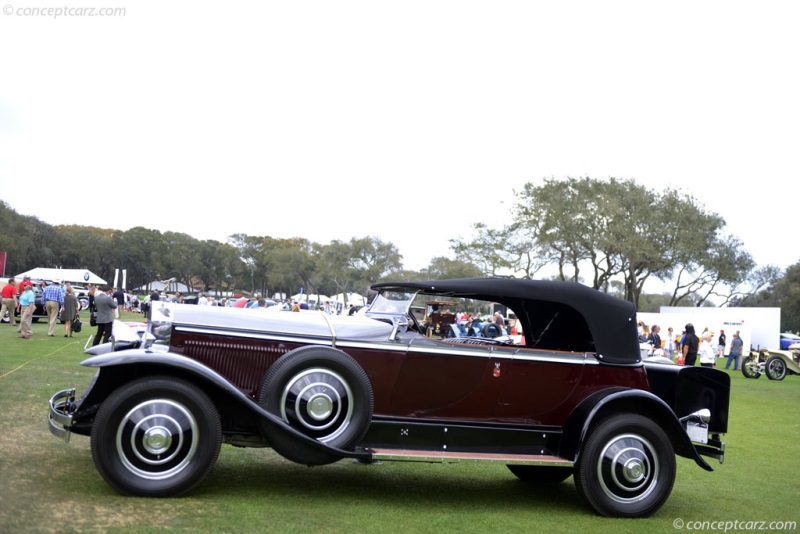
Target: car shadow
(419, 485)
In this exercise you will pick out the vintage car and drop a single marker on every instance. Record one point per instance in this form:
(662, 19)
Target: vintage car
(776, 364)
(575, 400)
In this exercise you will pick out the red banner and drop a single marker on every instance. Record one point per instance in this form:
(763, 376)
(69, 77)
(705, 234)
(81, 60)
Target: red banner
(3, 263)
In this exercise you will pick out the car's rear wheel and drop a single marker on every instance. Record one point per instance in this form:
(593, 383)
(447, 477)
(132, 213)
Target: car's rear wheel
(750, 368)
(775, 368)
(157, 437)
(626, 467)
(536, 474)
(320, 392)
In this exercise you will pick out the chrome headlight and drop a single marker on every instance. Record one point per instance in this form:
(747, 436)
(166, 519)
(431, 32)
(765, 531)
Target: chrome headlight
(160, 326)
(124, 336)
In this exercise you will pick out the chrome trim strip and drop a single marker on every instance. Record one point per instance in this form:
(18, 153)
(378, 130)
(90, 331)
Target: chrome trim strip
(299, 340)
(454, 457)
(250, 334)
(519, 355)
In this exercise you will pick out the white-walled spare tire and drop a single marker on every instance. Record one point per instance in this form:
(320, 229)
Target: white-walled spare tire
(321, 392)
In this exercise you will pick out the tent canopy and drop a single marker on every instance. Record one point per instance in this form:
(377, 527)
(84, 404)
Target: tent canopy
(351, 298)
(310, 298)
(75, 276)
(168, 286)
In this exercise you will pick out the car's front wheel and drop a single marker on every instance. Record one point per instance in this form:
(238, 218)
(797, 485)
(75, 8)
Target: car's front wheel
(626, 467)
(750, 368)
(156, 437)
(775, 368)
(322, 393)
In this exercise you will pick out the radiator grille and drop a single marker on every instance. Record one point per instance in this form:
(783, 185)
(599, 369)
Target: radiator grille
(242, 364)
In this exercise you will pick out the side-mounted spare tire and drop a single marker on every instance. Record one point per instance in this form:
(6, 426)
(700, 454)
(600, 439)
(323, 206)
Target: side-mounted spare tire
(321, 392)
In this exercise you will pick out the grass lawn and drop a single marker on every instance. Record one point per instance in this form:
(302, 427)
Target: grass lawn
(47, 485)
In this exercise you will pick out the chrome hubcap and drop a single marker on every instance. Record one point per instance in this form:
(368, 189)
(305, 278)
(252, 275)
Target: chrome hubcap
(634, 470)
(157, 439)
(320, 407)
(318, 400)
(628, 468)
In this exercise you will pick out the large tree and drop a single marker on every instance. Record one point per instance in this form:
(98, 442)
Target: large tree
(354, 265)
(139, 251)
(293, 265)
(442, 268)
(601, 231)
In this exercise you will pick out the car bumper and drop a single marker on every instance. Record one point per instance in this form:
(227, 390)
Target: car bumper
(60, 415)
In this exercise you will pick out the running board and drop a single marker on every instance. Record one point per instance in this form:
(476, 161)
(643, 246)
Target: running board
(452, 457)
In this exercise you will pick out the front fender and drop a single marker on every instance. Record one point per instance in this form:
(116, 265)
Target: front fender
(786, 356)
(616, 400)
(205, 375)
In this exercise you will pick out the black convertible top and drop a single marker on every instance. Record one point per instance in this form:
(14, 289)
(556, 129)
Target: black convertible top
(547, 308)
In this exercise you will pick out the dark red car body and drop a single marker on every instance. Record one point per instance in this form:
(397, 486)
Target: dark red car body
(573, 399)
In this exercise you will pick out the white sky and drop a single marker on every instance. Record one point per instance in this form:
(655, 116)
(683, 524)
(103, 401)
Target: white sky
(339, 119)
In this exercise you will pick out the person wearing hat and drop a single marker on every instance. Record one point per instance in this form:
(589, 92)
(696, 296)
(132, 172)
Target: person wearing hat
(26, 281)
(27, 303)
(53, 300)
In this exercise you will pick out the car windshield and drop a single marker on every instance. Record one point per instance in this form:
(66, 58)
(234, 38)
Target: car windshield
(390, 301)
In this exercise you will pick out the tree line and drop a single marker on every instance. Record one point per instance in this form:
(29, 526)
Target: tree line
(612, 235)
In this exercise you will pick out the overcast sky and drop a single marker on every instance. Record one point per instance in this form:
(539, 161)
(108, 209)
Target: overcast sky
(407, 120)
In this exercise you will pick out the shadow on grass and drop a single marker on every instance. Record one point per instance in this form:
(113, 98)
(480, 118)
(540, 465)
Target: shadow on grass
(465, 485)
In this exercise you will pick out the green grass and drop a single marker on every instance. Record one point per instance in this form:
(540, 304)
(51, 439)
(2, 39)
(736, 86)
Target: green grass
(47, 485)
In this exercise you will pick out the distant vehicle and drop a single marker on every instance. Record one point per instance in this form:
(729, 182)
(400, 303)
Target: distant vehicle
(776, 364)
(38, 310)
(787, 339)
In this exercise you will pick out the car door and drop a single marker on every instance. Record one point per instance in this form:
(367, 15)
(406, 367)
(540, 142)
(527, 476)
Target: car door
(441, 379)
(537, 384)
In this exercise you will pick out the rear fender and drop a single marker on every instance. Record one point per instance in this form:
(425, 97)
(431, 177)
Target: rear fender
(617, 400)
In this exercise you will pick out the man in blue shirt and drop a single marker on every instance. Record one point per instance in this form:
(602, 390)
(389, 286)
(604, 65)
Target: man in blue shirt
(27, 302)
(53, 301)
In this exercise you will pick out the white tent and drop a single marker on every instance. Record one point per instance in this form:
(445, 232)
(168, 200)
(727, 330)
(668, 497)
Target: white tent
(312, 298)
(351, 298)
(75, 276)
